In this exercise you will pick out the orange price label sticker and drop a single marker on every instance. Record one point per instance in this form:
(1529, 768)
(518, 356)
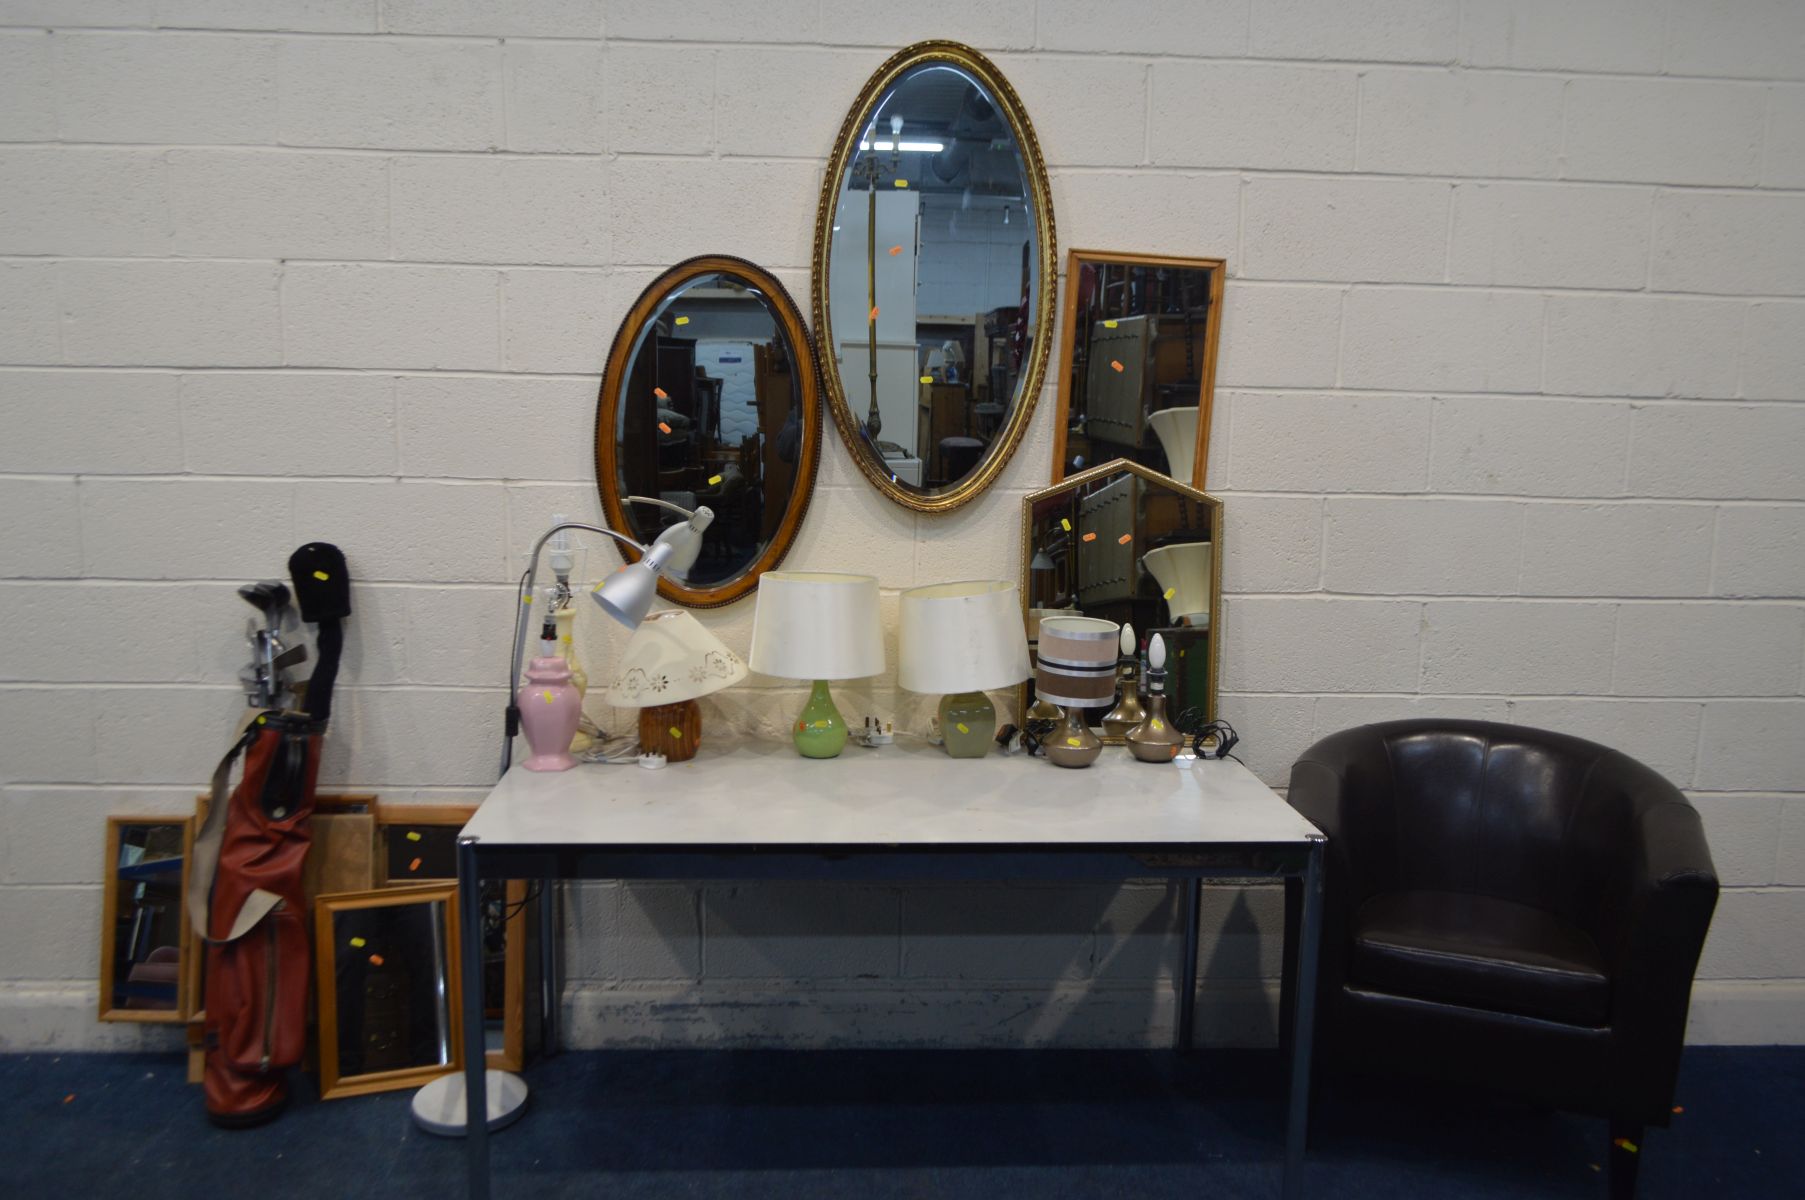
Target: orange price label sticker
(874, 312)
(661, 393)
(663, 428)
(415, 865)
(375, 960)
(1125, 539)
(895, 250)
(1090, 537)
(1115, 364)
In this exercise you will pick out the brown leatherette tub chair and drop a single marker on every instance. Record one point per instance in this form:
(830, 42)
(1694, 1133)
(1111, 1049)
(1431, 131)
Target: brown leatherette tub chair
(1508, 907)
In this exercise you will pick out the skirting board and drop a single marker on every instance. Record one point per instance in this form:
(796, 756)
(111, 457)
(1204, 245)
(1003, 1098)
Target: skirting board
(60, 1017)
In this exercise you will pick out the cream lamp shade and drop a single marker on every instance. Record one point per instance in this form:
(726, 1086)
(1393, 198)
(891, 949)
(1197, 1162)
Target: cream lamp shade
(1183, 572)
(961, 637)
(669, 659)
(1176, 429)
(815, 625)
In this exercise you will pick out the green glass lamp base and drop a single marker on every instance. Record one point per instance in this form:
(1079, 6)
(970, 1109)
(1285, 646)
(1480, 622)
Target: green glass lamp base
(968, 724)
(820, 729)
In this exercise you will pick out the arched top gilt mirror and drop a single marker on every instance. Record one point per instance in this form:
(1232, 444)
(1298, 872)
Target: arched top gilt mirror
(710, 398)
(934, 276)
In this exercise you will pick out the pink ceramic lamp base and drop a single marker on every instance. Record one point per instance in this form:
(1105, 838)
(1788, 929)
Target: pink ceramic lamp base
(550, 707)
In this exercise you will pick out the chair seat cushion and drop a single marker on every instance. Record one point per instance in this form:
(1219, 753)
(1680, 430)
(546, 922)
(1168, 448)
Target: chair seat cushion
(1481, 953)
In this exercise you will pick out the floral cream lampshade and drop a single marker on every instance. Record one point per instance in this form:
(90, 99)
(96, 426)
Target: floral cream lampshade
(817, 626)
(957, 640)
(669, 663)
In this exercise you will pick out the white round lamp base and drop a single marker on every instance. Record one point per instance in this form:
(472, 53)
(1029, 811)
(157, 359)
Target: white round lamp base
(439, 1106)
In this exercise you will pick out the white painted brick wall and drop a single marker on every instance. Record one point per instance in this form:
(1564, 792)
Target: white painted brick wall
(1509, 425)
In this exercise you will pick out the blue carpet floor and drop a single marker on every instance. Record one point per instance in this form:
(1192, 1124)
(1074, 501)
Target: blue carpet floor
(878, 1124)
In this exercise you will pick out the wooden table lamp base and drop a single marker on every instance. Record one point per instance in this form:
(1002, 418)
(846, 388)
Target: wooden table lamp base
(673, 730)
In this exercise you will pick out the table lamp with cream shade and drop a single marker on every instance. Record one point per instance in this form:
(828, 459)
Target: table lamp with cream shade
(670, 662)
(957, 640)
(817, 626)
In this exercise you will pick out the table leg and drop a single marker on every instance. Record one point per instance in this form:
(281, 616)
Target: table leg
(470, 965)
(1309, 939)
(1192, 891)
(551, 987)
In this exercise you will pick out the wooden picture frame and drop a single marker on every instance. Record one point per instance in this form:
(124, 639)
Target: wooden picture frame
(109, 1009)
(334, 1083)
(437, 827)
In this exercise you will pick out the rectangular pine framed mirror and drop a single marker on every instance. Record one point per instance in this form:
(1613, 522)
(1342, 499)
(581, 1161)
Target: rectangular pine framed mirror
(388, 993)
(145, 938)
(1137, 362)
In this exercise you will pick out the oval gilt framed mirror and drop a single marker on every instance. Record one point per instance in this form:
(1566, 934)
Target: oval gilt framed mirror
(934, 276)
(710, 398)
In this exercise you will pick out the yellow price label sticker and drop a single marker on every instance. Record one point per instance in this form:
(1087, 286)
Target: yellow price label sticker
(1073, 742)
(527, 599)
(1157, 724)
(682, 320)
(713, 479)
(547, 695)
(1171, 592)
(823, 723)
(1110, 324)
(413, 835)
(321, 576)
(263, 720)
(961, 727)
(358, 942)
(927, 379)
(902, 183)
(1065, 524)
(676, 733)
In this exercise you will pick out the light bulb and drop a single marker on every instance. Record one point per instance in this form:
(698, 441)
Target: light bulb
(895, 126)
(1156, 653)
(1127, 639)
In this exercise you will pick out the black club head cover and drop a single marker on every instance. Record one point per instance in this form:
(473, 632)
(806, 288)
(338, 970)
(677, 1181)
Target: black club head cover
(322, 582)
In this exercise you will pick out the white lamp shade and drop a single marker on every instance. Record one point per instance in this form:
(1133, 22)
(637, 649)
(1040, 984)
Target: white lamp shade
(671, 658)
(1177, 432)
(1184, 571)
(961, 637)
(815, 625)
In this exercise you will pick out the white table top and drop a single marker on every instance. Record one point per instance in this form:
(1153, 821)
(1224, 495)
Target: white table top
(907, 794)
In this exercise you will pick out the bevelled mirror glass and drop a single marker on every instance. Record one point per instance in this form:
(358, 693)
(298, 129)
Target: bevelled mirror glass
(934, 276)
(710, 399)
(1124, 543)
(1138, 362)
(144, 934)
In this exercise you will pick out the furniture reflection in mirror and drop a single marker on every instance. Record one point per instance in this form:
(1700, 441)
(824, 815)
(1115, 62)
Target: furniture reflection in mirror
(1121, 542)
(145, 940)
(1508, 907)
(1138, 362)
(388, 998)
(418, 844)
(934, 276)
(710, 397)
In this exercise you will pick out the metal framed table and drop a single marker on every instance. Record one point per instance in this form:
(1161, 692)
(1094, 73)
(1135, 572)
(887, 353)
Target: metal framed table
(902, 812)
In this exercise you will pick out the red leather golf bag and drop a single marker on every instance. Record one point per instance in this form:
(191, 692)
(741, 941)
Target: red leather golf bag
(245, 894)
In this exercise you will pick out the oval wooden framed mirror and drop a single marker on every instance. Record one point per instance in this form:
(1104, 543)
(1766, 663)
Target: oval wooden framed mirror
(934, 275)
(710, 397)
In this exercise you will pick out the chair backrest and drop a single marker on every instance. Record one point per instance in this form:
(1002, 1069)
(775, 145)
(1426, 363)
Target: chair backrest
(1505, 811)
